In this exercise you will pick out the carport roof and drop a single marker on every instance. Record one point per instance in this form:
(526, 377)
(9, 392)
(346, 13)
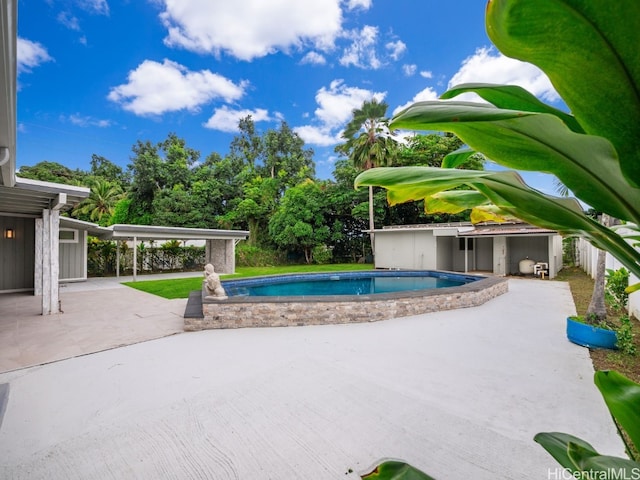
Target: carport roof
(506, 229)
(152, 232)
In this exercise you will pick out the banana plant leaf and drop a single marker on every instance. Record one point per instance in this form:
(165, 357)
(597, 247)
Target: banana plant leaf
(622, 397)
(456, 201)
(578, 456)
(396, 470)
(521, 140)
(508, 192)
(457, 158)
(512, 97)
(590, 53)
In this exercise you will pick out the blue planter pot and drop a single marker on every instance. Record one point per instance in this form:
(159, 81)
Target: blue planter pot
(590, 336)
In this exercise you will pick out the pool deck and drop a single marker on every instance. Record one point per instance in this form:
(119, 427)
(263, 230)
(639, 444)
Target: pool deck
(458, 393)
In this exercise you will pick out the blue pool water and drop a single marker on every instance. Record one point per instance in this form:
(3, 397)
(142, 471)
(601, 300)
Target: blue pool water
(351, 283)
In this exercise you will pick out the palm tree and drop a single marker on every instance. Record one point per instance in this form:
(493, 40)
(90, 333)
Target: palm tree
(101, 201)
(369, 143)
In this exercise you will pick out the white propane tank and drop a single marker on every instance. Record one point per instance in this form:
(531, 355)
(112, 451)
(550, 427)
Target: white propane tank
(526, 266)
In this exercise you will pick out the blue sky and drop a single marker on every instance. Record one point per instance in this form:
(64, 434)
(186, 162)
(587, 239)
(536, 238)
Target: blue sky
(95, 76)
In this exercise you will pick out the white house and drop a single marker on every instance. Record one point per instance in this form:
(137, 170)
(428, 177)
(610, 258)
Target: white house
(463, 247)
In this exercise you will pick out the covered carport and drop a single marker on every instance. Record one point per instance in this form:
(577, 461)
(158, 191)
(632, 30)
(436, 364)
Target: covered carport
(219, 244)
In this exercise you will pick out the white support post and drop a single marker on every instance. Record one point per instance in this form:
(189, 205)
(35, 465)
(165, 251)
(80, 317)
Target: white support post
(466, 254)
(38, 262)
(54, 296)
(117, 259)
(46, 262)
(135, 257)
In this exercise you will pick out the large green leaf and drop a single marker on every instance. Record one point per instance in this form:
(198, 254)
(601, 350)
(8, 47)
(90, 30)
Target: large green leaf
(395, 470)
(512, 97)
(590, 52)
(557, 444)
(457, 158)
(508, 192)
(622, 397)
(578, 457)
(521, 140)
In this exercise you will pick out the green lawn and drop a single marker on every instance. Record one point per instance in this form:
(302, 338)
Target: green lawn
(180, 287)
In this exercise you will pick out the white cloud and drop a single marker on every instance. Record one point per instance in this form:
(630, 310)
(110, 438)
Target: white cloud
(85, 121)
(68, 20)
(226, 120)
(30, 55)
(409, 70)
(249, 29)
(426, 74)
(362, 51)
(155, 88)
(422, 96)
(396, 49)
(363, 4)
(489, 66)
(335, 107)
(319, 136)
(314, 58)
(337, 103)
(100, 7)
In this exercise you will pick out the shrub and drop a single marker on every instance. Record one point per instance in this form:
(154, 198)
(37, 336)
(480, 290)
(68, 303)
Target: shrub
(321, 254)
(252, 256)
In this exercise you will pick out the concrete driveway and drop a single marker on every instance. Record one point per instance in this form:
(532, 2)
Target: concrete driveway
(459, 394)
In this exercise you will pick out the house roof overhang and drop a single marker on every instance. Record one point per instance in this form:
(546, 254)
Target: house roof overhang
(30, 197)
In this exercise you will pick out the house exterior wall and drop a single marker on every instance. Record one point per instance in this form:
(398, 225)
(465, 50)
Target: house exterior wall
(556, 260)
(17, 254)
(458, 254)
(406, 249)
(445, 253)
(73, 256)
(483, 254)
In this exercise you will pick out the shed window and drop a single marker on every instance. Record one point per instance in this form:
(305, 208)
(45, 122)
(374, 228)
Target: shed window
(66, 235)
(469, 243)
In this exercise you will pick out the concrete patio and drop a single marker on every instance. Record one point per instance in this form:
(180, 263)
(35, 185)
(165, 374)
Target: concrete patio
(97, 315)
(459, 394)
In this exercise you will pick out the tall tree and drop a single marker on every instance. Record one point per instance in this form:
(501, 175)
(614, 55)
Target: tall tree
(178, 160)
(369, 143)
(247, 145)
(286, 158)
(147, 180)
(53, 172)
(105, 168)
(299, 221)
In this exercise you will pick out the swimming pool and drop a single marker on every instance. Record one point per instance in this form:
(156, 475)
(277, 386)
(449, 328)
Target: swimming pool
(349, 283)
(241, 310)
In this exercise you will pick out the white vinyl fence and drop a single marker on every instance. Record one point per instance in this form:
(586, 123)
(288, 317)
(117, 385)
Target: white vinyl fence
(588, 259)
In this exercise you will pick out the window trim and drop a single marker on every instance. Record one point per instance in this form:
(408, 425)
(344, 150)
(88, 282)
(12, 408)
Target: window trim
(69, 240)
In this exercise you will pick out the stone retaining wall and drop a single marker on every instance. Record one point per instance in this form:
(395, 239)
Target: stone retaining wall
(241, 312)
